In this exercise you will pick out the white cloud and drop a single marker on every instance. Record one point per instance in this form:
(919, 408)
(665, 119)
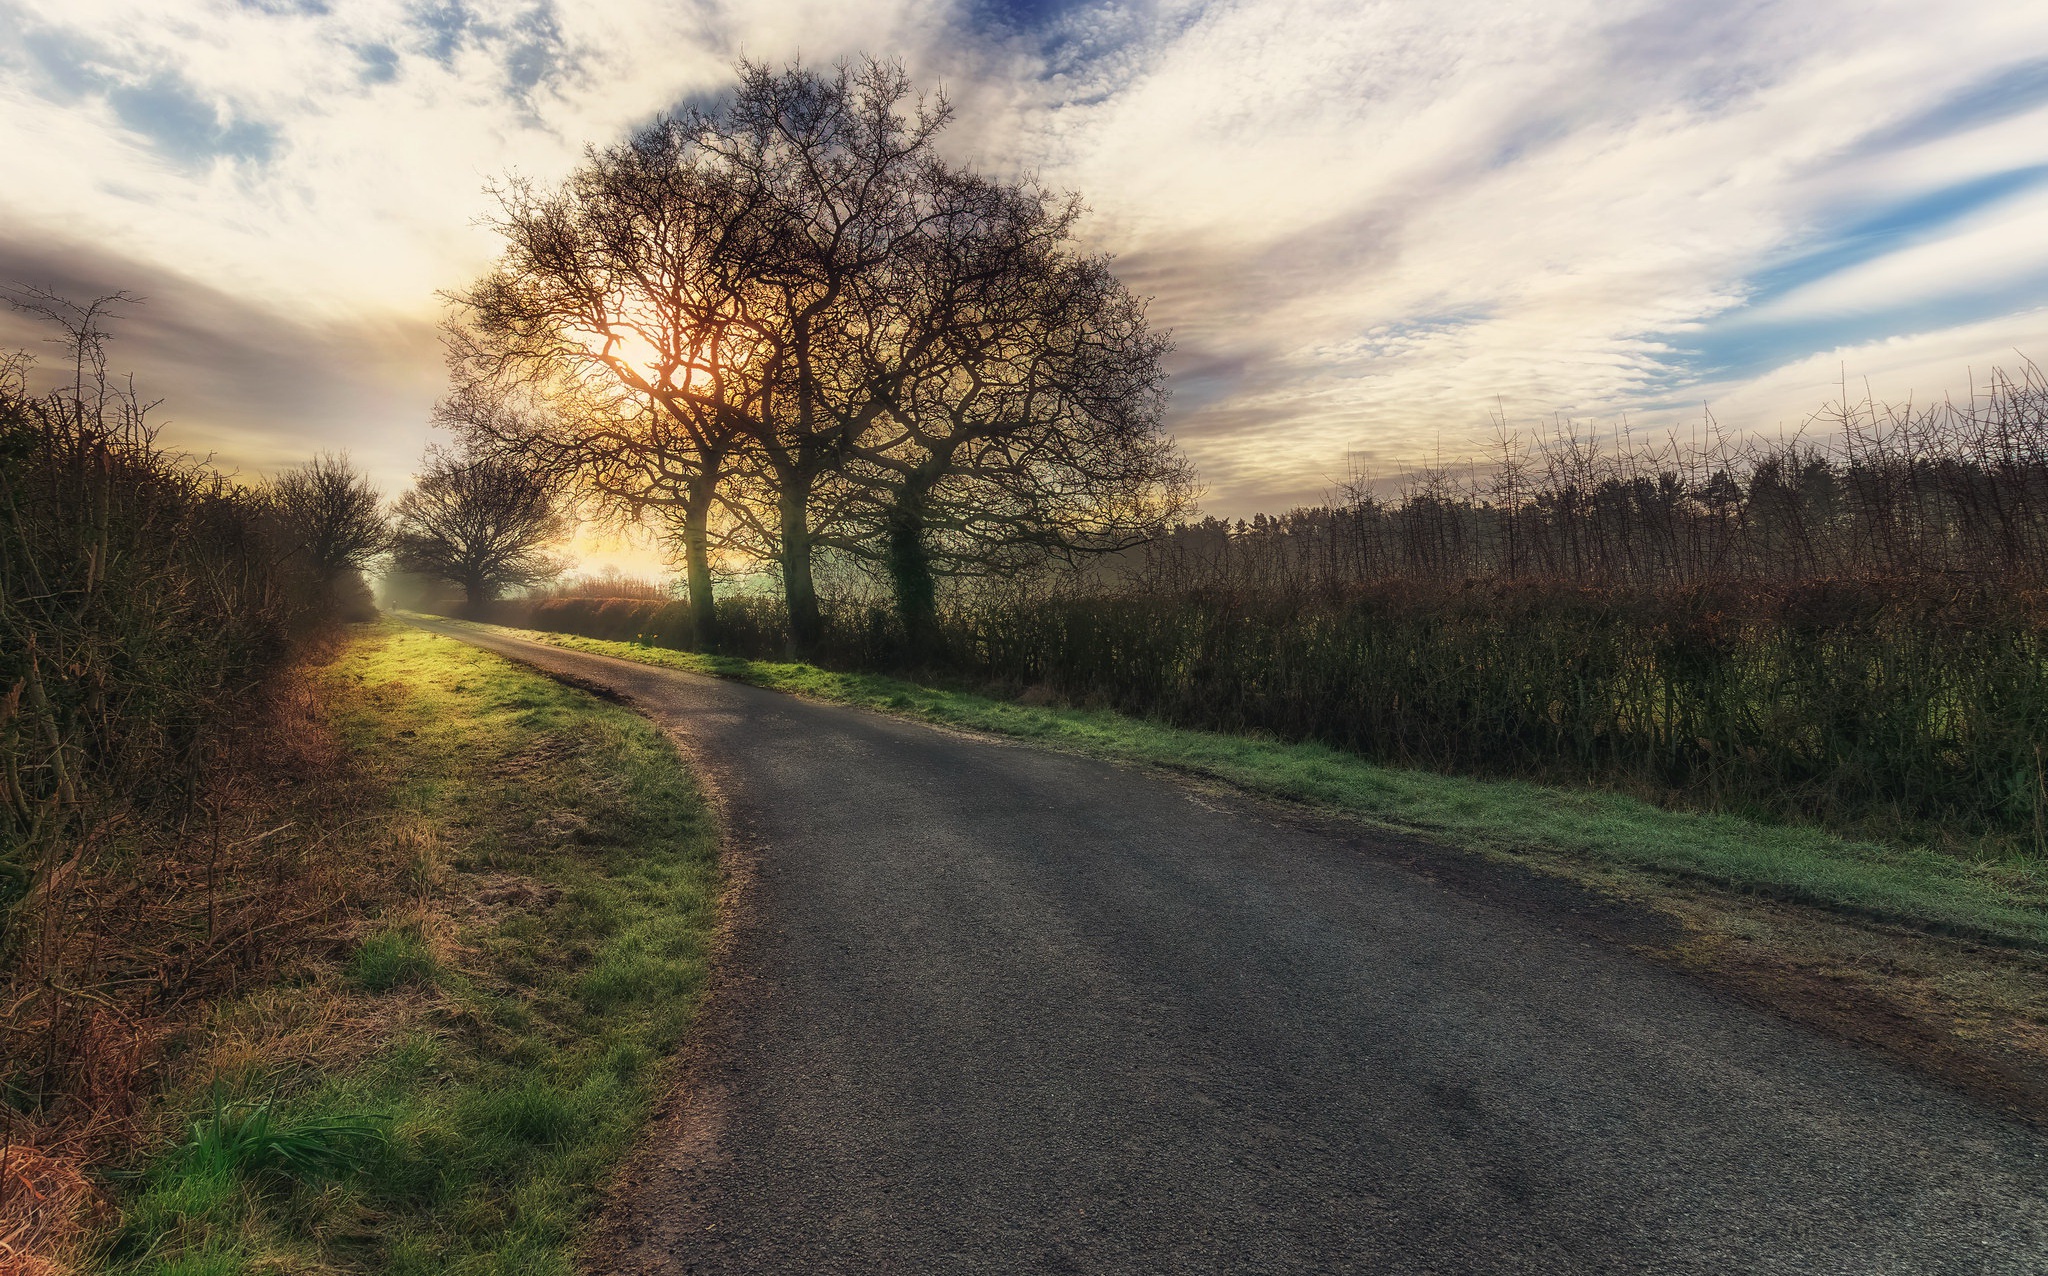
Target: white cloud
(1365, 222)
(2002, 246)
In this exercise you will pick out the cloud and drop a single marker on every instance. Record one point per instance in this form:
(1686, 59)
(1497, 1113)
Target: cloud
(185, 126)
(1386, 220)
(254, 387)
(1991, 250)
(157, 105)
(2017, 89)
(1370, 225)
(1905, 367)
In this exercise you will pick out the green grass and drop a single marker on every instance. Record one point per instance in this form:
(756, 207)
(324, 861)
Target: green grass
(392, 957)
(2003, 901)
(517, 1048)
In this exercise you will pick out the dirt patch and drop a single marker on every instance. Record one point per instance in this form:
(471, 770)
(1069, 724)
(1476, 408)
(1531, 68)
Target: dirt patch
(1971, 1015)
(478, 899)
(1575, 907)
(540, 757)
(1968, 1015)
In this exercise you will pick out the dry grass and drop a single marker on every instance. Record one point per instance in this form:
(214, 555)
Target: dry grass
(466, 1061)
(165, 804)
(271, 863)
(172, 948)
(47, 1209)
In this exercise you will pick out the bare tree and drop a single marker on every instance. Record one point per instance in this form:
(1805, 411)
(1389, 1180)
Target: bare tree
(707, 267)
(793, 309)
(1022, 402)
(607, 343)
(484, 523)
(330, 517)
(840, 169)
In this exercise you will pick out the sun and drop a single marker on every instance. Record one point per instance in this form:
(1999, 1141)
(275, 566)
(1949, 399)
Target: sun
(628, 345)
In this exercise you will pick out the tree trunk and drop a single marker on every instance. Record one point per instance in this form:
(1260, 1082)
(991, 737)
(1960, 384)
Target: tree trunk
(476, 592)
(910, 571)
(697, 571)
(799, 592)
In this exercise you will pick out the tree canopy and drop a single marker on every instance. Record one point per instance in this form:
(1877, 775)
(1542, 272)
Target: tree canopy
(790, 322)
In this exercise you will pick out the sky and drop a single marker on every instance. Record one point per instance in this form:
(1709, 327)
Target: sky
(1369, 227)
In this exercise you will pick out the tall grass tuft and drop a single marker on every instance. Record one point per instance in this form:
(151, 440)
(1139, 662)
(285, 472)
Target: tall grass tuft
(246, 1139)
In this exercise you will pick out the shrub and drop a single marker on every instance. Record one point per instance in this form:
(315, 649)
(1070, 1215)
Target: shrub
(145, 602)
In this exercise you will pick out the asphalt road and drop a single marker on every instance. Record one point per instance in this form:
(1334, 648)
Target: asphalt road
(993, 1009)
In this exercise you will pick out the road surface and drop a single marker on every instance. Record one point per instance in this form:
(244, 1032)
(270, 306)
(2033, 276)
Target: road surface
(994, 1009)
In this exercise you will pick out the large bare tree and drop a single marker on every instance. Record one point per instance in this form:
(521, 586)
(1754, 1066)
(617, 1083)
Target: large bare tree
(719, 265)
(843, 172)
(610, 339)
(1022, 401)
(791, 306)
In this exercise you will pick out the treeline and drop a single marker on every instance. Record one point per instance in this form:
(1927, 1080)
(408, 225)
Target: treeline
(787, 331)
(1955, 491)
(1849, 628)
(145, 601)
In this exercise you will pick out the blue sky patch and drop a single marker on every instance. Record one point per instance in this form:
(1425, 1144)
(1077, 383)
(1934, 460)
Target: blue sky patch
(1026, 15)
(380, 63)
(163, 108)
(66, 62)
(186, 127)
(536, 51)
(1907, 222)
(445, 25)
(289, 8)
(1737, 349)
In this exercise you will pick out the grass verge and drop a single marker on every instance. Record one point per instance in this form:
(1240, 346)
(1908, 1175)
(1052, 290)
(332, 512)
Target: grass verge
(448, 1092)
(2003, 901)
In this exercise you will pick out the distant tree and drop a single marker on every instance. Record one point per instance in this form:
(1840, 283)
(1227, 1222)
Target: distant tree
(330, 518)
(633, 460)
(484, 523)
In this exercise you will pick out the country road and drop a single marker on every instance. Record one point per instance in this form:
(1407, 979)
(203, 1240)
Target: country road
(994, 1009)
